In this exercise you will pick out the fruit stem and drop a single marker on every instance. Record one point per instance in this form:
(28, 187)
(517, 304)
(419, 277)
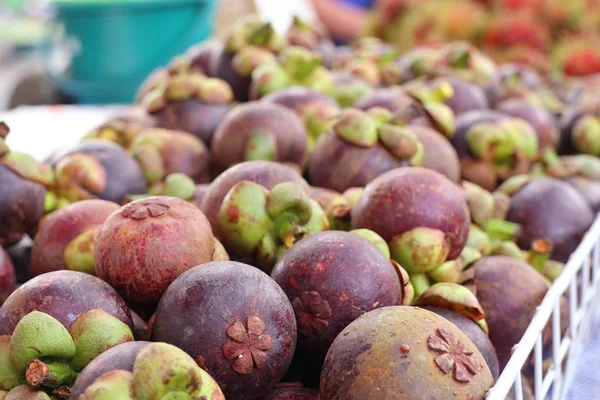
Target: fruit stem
(54, 374)
(501, 230)
(539, 253)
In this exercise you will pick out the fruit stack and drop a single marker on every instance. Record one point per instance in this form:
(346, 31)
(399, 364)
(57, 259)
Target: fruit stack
(290, 220)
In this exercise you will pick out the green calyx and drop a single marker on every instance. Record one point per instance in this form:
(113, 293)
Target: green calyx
(420, 283)
(374, 239)
(269, 78)
(513, 184)
(25, 392)
(357, 128)
(10, 377)
(586, 135)
(480, 203)
(337, 210)
(254, 33)
(79, 177)
(27, 167)
(498, 229)
(261, 146)
(250, 58)
(347, 94)
(420, 250)
(179, 185)
(352, 195)
(114, 385)
(539, 254)
(508, 249)
(299, 62)
(318, 118)
(584, 165)
(79, 253)
(408, 291)
(365, 69)
(148, 156)
(479, 240)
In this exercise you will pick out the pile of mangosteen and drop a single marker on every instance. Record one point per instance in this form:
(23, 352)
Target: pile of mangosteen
(284, 219)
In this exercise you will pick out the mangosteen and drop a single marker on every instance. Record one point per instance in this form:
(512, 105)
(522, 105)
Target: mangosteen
(309, 35)
(316, 109)
(335, 205)
(550, 209)
(202, 56)
(265, 173)
(96, 169)
(579, 125)
(464, 60)
(538, 117)
(239, 326)
(404, 353)
(583, 173)
(159, 371)
(509, 291)
(66, 237)
(23, 195)
(422, 216)
(291, 391)
(321, 275)
(8, 281)
(162, 152)
(189, 102)
(438, 153)
(493, 146)
(20, 255)
(64, 295)
(348, 89)
(392, 99)
(122, 129)
(259, 131)
(145, 245)
(466, 96)
(359, 147)
(120, 357)
(249, 44)
(513, 80)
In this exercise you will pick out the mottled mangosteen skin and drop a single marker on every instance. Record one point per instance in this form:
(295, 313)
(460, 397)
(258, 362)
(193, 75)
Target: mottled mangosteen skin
(466, 96)
(401, 353)
(194, 116)
(206, 312)
(61, 227)
(145, 245)
(265, 173)
(391, 99)
(21, 207)
(412, 197)
(332, 278)
(8, 282)
(466, 121)
(64, 295)
(509, 292)
(538, 117)
(548, 208)
(201, 56)
(291, 392)
(439, 155)
(121, 357)
(123, 174)
(475, 333)
(296, 98)
(588, 188)
(230, 142)
(339, 165)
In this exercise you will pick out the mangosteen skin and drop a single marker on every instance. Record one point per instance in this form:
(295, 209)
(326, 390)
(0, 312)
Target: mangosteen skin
(475, 333)
(509, 292)
(8, 282)
(338, 165)
(389, 98)
(61, 227)
(548, 208)
(123, 174)
(64, 295)
(466, 121)
(588, 188)
(201, 56)
(201, 191)
(467, 96)
(222, 68)
(291, 393)
(538, 117)
(265, 173)
(20, 255)
(194, 116)
(230, 141)
(120, 357)
(21, 207)
(331, 278)
(295, 98)
(567, 122)
(411, 197)
(199, 311)
(142, 247)
(438, 153)
(390, 354)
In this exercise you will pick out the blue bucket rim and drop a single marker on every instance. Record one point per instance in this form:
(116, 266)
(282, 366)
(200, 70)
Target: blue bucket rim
(101, 5)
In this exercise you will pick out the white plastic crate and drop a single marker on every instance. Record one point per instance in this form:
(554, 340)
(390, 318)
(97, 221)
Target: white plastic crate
(580, 282)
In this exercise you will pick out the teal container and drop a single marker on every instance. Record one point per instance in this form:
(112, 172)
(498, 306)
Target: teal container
(119, 42)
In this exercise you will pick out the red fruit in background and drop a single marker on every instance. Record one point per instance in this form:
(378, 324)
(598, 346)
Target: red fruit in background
(516, 30)
(582, 62)
(8, 281)
(63, 295)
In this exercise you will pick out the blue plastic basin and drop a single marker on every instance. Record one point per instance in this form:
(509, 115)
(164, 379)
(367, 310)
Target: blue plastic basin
(122, 41)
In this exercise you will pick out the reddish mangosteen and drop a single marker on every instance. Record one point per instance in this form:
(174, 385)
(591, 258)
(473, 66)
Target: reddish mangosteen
(120, 357)
(189, 102)
(145, 245)
(438, 153)
(97, 169)
(162, 152)
(66, 237)
(122, 129)
(8, 282)
(259, 131)
(22, 205)
(550, 209)
(291, 391)
(403, 353)
(466, 96)
(315, 108)
(265, 173)
(538, 117)
(202, 56)
(509, 291)
(321, 275)
(239, 326)
(63, 295)
(359, 147)
(421, 214)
